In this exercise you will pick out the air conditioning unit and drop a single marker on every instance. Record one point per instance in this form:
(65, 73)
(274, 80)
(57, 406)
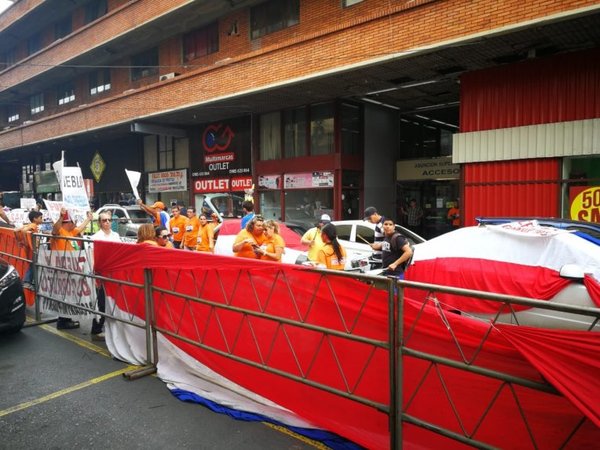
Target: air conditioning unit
(168, 76)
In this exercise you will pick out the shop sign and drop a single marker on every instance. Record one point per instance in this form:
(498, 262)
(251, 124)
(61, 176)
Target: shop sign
(585, 205)
(168, 181)
(308, 180)
(269, 182)
(225, 150)
(427, 169)
(214, 185)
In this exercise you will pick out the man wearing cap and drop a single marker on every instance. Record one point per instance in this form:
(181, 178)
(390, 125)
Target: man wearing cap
(312, 238)
(63, 229)
(158, 213)
(371, 215)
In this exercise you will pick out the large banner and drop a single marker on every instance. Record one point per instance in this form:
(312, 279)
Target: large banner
(75, 289)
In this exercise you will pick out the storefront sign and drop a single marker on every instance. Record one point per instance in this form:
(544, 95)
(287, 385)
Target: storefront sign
(225, 150)
(168, 181)
(308, 180)
(427, 169)
(213, 185)
(269, 182)
(586, 205)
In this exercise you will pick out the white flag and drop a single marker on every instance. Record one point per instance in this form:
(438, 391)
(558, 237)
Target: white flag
(134, 179)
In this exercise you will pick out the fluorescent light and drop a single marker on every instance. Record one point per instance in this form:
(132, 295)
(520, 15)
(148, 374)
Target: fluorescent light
(417, 83)
(438, 106)
(375, 102)
(381, 91)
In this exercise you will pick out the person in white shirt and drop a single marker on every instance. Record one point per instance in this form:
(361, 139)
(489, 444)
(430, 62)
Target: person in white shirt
(105, 233)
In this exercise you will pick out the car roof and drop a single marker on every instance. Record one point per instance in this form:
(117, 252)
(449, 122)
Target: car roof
(403, 230)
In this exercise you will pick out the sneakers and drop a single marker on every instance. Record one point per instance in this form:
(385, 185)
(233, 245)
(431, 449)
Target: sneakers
(98, 337)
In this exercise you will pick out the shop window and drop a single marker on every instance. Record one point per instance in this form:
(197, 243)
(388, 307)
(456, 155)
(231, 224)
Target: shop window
(99, 81)
(351, 137)
(12, 114)
(581, 189)
(321, 129)
(36, 103)
(307, 205)
(95, 9)
(65, 93)
(144, 64)
(270, 136)
(273, 16)
(294, 121)
(201, 42)
(165, 152)
(347, 3)
(34, 43)
(63, 28)
(270, 205)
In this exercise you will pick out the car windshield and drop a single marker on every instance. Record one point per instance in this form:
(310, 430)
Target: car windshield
(137, 214)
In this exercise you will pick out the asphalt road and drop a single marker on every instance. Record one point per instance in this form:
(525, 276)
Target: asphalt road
(61, 391)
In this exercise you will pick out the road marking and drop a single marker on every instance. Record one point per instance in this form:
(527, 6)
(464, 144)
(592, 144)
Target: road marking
(66, 391)
(77, 340)
(284, 430)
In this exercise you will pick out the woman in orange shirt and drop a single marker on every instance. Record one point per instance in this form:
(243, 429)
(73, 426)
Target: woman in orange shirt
(248, 241)
(332, 255)
(146, 234)
(274, 245)
(206, 239)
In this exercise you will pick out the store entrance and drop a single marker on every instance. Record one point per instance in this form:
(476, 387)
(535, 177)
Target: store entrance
(434, 197)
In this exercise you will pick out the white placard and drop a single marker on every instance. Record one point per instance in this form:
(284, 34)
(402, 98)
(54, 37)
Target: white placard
(28, 203)
(134, 179)
(74, 195)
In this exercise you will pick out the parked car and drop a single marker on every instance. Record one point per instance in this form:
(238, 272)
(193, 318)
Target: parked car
(12, 298)
(520, 259)
(126, 219)
(587, 230)
(354, 235)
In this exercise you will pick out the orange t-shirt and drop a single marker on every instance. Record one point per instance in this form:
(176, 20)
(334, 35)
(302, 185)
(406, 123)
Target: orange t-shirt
(329, 259)
(190, 236)
(275, 241)
(177, 225)
(205, 239)
(63, 244)
(247, 250)
(149, 242)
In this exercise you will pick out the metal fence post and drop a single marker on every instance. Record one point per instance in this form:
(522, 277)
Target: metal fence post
(393, 363)
(34, 269)
(399, 319)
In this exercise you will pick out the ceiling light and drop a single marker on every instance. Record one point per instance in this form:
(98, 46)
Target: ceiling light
(418, 83)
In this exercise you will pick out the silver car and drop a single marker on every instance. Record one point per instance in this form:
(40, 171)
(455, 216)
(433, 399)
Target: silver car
(126, 219)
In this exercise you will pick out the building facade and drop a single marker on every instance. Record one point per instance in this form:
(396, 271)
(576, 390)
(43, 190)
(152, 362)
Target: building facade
(320, 106)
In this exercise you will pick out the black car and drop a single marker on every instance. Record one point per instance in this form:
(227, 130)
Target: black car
(12, 298)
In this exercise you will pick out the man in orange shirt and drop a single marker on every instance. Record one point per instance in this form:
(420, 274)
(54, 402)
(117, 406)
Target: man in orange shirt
(190, 237)
(25, 239)
(206, 238)
(248, 241)
(65, 228)
(177, 224)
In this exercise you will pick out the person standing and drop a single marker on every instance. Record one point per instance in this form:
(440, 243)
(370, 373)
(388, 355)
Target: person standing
(192, 225)
(105, 233)
(274, 245)
(312, 238)
(177, 224)
(63, 229)
(248, 208)
(371, 215)
(414, 216)
(24, 237)
(396, 250)
(454, 215)
(332, 255)
(206, 237)
(157, 212)
(163, 237)
(248, 241)
(3, 215)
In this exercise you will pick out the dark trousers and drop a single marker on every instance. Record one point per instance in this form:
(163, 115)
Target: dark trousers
(98, 325)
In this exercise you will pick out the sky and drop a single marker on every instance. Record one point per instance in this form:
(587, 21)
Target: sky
(5, 4)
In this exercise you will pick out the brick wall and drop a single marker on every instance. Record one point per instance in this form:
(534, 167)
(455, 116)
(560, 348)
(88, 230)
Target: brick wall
(327, 37)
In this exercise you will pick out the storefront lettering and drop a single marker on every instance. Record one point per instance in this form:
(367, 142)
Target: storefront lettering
(434, 172)
(586, 205)
(211, 185)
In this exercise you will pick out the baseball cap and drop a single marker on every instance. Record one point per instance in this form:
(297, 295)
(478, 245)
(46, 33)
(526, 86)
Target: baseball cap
(66, 218)
(159, 205)
(325, 218)
(370, 211)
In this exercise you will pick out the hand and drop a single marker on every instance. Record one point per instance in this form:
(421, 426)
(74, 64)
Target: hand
(89, 215)
(393, 266)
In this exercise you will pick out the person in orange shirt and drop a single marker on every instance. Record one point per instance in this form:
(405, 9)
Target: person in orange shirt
(25, 239)
(332, 255)
(162, 237)
(146, 234)
(206, 237)
(63, 229)
(177, 224)
(248, 241)
(192, 225)
(454, 215)
(214, 221)
(274, 246)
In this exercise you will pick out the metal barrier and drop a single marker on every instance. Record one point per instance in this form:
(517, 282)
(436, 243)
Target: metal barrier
(59, 274)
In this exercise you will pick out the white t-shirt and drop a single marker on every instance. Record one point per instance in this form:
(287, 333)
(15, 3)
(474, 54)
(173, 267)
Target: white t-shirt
(102, 236)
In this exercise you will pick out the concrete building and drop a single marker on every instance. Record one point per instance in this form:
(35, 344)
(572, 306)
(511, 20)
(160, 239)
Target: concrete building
(325, 106)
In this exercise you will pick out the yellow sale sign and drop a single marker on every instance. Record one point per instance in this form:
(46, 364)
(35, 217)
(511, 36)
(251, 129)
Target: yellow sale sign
(586, 205)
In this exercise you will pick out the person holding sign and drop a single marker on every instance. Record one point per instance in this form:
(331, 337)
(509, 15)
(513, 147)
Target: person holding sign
(158, 213)
(63, 229)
